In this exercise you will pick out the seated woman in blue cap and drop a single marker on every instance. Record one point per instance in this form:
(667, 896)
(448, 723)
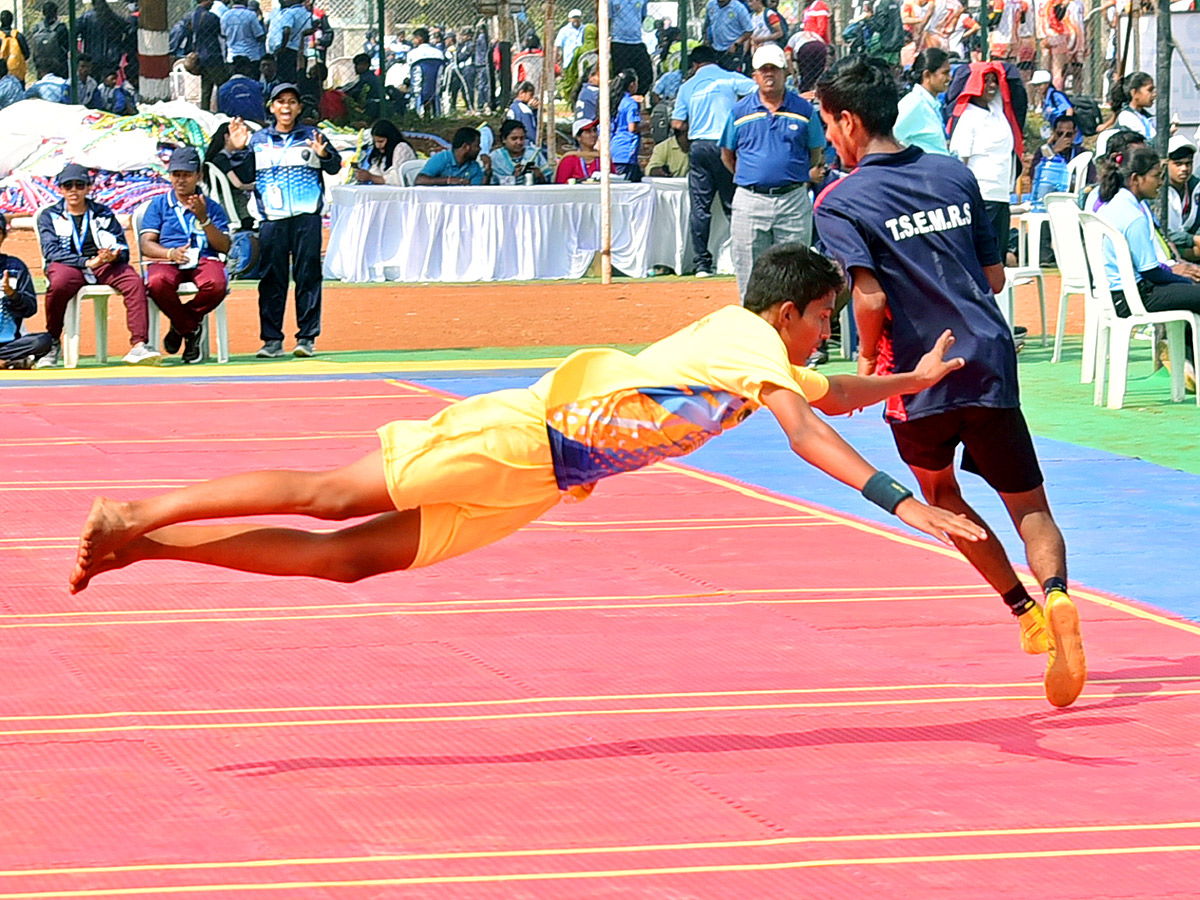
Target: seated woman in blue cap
(182, 234)
(83, 243)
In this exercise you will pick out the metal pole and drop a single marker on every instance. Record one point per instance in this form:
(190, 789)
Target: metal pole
(684, 9)
(602, 11)
(72, 52)
(549, 85)
(383, 101)
(1162, 102)
(983, 29)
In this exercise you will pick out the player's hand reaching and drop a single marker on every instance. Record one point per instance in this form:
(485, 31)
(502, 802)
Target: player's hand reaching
(239, 133)
(943, 525)
(934, 366)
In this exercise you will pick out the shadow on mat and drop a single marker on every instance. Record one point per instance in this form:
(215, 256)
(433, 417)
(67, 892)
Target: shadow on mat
(1016, 735)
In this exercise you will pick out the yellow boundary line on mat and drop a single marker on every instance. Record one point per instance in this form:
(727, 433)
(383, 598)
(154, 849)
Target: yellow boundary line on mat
(272, 371)
(193, 401)
(761, 843)
(1036, 854)
(573, 713)
(840, 519)
(578, 698)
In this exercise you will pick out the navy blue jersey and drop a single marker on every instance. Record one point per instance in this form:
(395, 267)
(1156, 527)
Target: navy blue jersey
(916, 220)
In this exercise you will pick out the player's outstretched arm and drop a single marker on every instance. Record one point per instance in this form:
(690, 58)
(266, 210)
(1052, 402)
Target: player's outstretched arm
(850, 392)
(815, 442)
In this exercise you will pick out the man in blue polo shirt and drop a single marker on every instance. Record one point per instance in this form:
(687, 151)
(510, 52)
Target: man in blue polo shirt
(182, 234)
(702, 108)
(727, 29)
(458, 165)
(910, 230)
(772, 140)
(242, 32)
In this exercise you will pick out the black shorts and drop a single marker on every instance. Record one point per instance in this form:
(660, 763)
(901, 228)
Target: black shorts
(997, 445)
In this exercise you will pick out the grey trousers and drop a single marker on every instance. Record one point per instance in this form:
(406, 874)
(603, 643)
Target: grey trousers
(761, 221)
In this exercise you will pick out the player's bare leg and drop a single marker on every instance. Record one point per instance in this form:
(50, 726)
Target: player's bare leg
(386, 543)
(359, 489)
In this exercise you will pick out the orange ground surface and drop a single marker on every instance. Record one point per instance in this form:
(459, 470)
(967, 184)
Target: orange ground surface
(554, 313)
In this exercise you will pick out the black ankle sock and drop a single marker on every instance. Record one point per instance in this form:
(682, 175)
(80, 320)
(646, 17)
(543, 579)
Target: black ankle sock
(1054, 584)
(1019, 601)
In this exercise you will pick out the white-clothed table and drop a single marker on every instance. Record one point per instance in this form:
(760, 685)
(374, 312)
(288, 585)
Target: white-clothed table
(504, 233)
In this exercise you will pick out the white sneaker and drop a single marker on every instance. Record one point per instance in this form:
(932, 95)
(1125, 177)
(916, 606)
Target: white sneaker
(703, 273)
(141, 355)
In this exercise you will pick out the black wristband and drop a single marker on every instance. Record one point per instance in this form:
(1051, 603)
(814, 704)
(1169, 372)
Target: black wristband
(885, 492)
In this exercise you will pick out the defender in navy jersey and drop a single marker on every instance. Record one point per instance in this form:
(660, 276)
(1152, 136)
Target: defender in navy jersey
(910, 230)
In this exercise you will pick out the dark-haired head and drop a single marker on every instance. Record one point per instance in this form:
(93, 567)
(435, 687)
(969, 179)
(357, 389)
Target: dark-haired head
(384, 128)
(1128, 169)
(509, 126)
(702, 56)
(217, 144)
(623, 84)
(928, 60)
(859, 99)
(791, 272)
(1122, 93)
(793, 288)
(464, 136)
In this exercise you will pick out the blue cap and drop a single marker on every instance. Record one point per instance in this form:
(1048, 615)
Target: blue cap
(73, 172)
(280, 88)
(184, 159)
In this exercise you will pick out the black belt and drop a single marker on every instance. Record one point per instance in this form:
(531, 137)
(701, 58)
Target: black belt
(777, 191)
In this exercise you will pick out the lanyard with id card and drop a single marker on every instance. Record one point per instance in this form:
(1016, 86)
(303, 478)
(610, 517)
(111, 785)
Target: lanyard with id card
(273, 195)
(77, 239)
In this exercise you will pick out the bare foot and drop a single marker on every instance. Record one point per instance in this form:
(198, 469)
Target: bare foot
(109, 526)
(113, 561)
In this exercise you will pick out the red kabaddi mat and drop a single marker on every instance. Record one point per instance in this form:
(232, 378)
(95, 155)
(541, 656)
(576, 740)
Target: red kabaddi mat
(682, 688)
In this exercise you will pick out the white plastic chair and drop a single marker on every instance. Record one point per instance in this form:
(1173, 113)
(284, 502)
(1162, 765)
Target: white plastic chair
(73, 317)
(409, 171)
(186, 289)
(1077, 171)
(1029, 244)
(1073, 273)
(1114, 332)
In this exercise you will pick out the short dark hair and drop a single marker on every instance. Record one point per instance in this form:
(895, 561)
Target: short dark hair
(464, 136)
(50, 9)
(422, 33)
(702, 56)
(511, 125)
(525, 87)
(864, 87)
(791, 272)
(266, 57)
(1066, 117)
(362, 57)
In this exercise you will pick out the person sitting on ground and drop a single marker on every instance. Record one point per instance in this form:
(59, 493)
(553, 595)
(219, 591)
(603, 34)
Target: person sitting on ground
(366, 90)
(19, 301)
(182, 234)
(84, 243)
(118, 99)
(268, 75)
(1128, 183)
(11, 89)
(582, 163)
(524, 108)
(85, 81)
(488, 465)
(586, 101)
(516, 156)
(389, 150)
(222, 154)
(53, 87)
(669, 158)
(1183, 198)
(461, 164)
(626, 125)
(241, 96)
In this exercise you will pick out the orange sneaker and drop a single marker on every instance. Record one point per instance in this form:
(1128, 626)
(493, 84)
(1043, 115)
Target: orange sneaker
(1034, 637)
(1066, 669)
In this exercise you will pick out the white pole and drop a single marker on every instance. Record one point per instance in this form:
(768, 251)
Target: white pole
(602, 10)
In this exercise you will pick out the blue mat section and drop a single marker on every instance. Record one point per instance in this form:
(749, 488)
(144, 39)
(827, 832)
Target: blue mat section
(1130, 526)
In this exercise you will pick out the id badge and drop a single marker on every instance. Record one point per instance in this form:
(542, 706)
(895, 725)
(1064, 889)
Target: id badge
(274, 197)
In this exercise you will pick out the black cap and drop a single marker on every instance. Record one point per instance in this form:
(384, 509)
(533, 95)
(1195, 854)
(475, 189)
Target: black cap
(73, 172)
(184, 159)
(280, 88)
